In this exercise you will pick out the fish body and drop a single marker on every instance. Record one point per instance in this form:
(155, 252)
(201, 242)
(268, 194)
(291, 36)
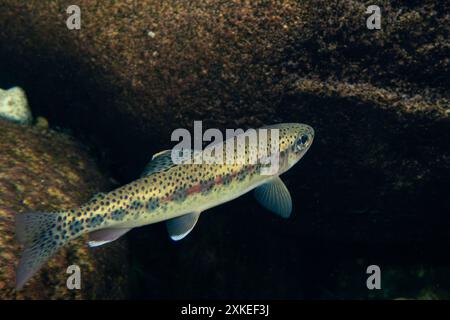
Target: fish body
(175, 193)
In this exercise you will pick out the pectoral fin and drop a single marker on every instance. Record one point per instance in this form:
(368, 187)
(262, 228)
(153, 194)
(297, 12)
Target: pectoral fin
(100, 237)
(180, 227)
(274, 196)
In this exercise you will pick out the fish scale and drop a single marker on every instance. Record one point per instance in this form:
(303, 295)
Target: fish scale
(175, 193)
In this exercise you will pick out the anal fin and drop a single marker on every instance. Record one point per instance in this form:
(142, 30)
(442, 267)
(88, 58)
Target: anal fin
(103, 236)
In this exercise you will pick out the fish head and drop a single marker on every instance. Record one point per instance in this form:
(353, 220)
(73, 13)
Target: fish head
(295, 140)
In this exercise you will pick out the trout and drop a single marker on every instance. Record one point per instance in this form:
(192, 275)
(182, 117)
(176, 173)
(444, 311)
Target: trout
(166, 191)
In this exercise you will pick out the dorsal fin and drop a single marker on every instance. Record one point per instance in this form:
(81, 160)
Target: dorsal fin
(160, 161)
(161, 153)
(97, 196)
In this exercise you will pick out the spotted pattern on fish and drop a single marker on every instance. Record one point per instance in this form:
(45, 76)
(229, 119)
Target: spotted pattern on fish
(165, 191)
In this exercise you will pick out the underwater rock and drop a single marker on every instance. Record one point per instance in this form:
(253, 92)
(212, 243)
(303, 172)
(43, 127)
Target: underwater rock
(14, 106)
(41, 123)
(49, 171)
(151, 67)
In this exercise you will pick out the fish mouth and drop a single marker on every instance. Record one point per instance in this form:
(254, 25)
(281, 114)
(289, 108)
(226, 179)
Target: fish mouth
(311, 133)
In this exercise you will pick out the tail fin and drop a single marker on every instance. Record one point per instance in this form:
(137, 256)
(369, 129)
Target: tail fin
(37, 232)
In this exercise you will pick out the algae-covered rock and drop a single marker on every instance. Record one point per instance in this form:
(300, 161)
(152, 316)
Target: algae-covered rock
(150, 67)
(14, 106)
(48, 171)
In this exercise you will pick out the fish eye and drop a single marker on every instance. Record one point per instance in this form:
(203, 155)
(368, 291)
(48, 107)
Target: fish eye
(304, 138)
(302, 141)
